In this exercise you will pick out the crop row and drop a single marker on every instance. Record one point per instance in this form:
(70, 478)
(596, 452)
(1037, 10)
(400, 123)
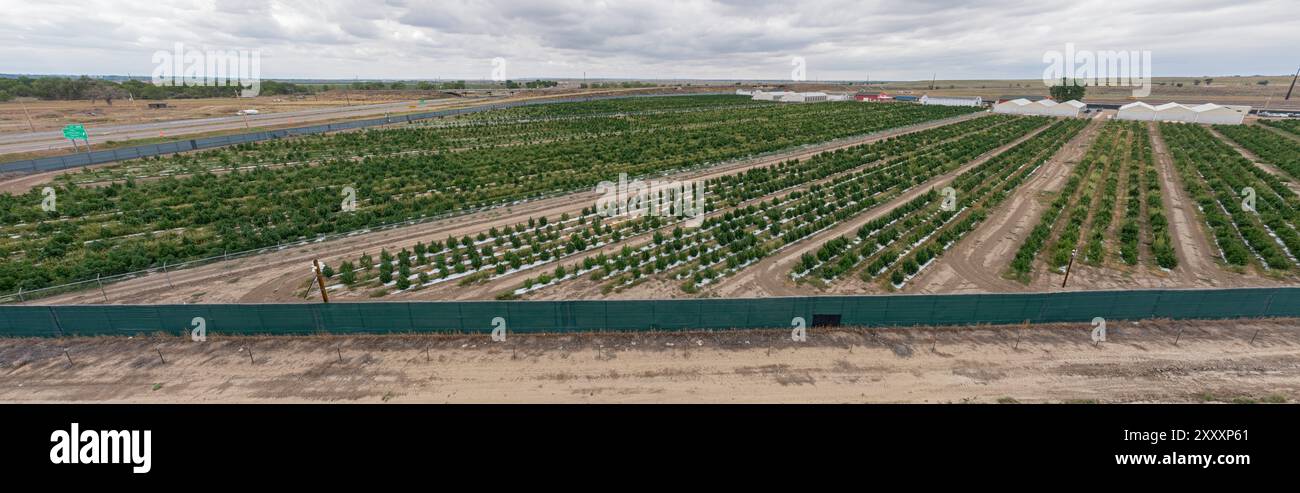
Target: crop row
(728, 242)
(1074, 192)
(497, 253)
(135, 225)
(1144, 191)
(833, 260)
(979, 191)
(1272, 148)
(1292, 126)
(1222, 181)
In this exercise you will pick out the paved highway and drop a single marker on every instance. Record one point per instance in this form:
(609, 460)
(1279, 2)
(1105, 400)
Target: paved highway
(40, 141)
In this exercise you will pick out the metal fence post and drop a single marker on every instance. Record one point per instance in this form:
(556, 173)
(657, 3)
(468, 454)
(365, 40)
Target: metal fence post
(101, 288)
(54, 316)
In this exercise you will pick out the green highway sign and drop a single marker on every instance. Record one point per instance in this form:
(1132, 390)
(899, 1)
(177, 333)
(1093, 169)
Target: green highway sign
(74, 132)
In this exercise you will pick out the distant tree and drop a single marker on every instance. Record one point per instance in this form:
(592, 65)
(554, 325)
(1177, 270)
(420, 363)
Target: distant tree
(106, 91)
(1066, 92)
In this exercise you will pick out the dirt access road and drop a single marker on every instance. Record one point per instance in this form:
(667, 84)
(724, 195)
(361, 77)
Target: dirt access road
(275, 276)
(1242, 361)
(976, 263)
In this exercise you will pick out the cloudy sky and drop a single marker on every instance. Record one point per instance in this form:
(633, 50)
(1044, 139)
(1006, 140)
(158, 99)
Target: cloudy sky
(705, 39)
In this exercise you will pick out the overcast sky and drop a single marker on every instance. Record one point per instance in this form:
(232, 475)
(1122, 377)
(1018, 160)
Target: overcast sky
(718, 39)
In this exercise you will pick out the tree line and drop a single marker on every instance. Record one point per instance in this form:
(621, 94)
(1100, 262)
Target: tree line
(86, 88)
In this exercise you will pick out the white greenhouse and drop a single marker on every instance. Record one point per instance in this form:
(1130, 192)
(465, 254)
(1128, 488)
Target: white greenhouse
(1173, 112)
(1137, 111)
(1221, 114)
(1069, 108)
(1043, 107)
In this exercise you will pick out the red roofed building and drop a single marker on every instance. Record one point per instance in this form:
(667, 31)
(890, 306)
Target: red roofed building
(873, 97)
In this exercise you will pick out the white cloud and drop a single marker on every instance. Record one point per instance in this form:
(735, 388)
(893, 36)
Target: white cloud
(892, 39)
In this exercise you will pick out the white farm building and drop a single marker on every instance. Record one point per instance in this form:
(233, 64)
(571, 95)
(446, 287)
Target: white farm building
(951, 100)
(1042, 107)
(791, 97)
(768, 96)
(1174, 112)
(803, 97)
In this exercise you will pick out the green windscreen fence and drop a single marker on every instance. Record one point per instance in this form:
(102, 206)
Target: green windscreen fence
(621, 315)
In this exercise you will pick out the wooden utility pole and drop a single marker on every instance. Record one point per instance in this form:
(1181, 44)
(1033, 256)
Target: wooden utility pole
(320, 281)
(29, 116)
(1068, 267)
(1292, 88)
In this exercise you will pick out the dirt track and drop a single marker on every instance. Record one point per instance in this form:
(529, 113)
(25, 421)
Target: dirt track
(1139, 362)
(976, 263)
(769, 277)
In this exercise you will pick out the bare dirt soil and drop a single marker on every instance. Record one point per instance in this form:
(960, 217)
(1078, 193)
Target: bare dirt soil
(976, 263)
(1146, 361)
(53, 115)
(1221, 90)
